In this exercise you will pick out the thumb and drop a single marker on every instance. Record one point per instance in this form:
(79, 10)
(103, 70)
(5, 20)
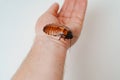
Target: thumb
(53, 9)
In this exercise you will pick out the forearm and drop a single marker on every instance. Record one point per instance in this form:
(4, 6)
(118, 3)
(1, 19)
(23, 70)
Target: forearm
(45, 61)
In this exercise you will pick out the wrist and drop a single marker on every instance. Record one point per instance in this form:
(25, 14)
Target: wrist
(50, 44)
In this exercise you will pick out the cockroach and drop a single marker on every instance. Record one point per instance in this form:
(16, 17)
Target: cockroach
(58, 30)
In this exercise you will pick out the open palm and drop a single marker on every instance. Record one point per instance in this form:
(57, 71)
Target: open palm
(71, 14)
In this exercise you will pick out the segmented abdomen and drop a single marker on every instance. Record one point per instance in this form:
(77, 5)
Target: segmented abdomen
(53, 30)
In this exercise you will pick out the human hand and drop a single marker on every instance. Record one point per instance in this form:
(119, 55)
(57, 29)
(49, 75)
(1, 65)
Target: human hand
(71, 15)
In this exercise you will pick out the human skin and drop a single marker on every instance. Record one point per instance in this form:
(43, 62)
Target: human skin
(45, 60)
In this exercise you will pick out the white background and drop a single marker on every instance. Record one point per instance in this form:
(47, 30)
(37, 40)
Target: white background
(96, 55)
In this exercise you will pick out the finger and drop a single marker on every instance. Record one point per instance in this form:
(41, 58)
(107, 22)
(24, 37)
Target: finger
(53, 9)
(69, 8)
(79, 11)
(77, 18)
(63, 9)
